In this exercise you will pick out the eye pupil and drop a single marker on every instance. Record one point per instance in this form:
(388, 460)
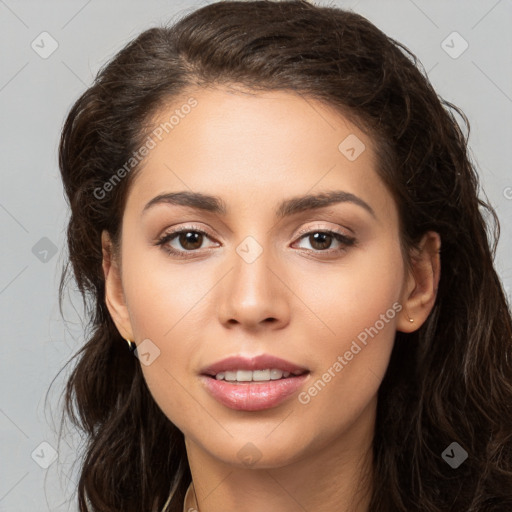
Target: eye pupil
(190, 237)
(322, 242)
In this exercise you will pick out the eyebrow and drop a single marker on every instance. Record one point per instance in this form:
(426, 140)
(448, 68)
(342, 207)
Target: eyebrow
(286, 208)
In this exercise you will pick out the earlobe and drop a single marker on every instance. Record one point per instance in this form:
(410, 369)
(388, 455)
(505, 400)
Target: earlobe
(114, 296)
(420, 291)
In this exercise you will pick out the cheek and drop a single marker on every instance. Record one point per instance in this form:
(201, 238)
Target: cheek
(165, 301)
(347, 297)
(162, 310)
(161, 293)
(358, 309)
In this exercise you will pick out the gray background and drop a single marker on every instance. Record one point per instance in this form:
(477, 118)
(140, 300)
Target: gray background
(35, 95)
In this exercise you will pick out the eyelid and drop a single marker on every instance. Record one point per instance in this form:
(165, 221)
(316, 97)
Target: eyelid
(322, 228)
(187, 227)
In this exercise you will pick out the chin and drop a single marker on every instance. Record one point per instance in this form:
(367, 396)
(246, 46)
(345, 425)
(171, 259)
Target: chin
(257, 452)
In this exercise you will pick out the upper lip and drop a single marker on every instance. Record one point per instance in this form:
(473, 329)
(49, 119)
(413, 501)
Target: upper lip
(261, 362)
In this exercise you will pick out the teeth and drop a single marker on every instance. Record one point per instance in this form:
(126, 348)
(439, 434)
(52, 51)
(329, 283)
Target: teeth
(244, 375)
(275, 374)
(261, 375)
(256, 375)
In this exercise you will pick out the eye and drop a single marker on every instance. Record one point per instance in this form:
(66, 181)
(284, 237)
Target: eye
(321, 240)
(189, 238)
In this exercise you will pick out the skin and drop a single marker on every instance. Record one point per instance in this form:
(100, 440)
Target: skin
(294, 301)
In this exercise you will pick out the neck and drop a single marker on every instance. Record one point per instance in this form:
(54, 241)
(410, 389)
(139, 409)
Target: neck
(334, 474)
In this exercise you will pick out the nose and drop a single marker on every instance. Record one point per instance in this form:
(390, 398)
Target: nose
(255, 293)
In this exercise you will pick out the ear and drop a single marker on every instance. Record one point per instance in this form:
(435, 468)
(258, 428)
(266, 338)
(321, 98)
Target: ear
(420, 288)
(114, 296)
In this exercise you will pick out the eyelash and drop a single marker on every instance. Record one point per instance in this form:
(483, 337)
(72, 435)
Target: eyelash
(167, 237)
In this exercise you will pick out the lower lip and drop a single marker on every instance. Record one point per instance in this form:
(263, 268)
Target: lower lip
(253, 396)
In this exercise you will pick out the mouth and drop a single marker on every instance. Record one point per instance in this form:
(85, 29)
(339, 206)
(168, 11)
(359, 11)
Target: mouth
(246, 376)
(253, 384)
(261, 368)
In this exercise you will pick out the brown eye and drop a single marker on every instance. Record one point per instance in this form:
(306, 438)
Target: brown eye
(183, 241)
(190, 240)
(321, 241)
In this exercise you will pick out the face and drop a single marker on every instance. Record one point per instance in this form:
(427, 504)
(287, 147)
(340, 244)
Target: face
(319, 285)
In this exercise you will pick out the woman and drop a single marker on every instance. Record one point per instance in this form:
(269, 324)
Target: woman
(271, 203)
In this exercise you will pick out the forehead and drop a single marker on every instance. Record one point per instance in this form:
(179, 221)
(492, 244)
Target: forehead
(255, 146)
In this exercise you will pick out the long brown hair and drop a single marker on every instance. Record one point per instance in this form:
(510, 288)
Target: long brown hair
(449, 381)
